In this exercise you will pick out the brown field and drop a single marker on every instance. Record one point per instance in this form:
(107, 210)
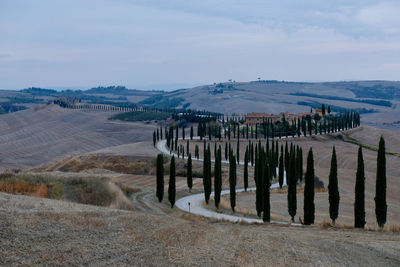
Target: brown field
(34, 137)
(38, 230)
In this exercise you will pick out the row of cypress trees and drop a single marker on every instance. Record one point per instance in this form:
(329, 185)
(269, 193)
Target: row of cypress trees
(263, 176)
(380, 189)
(160, 180)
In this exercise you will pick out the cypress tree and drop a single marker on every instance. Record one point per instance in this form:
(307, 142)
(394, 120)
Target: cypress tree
(209, 171)
(205, 176)
(291, 181)
(281, 170)
(286, 157)
(309, 207)
(333, 188)
(301, 164)
(171, 185)
(232, 181)
(266, 194)
(189, 172)
(160, 177)
(252, 154)
(191, 132)
(226, 151)
(257, 179)
(218, 179)
(215, 150)
(246, 171)
(359, 204)
(196, 151)
(154, 138)
(237, 151)
(158, 135)
(380, 187)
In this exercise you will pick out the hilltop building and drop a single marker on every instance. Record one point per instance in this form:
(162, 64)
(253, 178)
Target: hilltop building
(254, 118)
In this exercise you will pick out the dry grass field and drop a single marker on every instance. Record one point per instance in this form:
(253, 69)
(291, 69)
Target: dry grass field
(38, 136)
(36, 230)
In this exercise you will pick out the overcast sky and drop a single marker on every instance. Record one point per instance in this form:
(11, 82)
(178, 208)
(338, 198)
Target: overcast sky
(179, 43)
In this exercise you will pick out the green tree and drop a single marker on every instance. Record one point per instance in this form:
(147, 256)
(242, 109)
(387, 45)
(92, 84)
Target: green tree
(206, 174)
(309, 207)
(323, 109)
(191, 132)
(380, 187)
(359, 204)
(160, 177)
(246, 171)
(281, 168)
(189, 172)
(232, 181)
(291, 181)
(218, 178)
(171, 185)
(237, 151)
(333, 188)
(154, 138)
(226, 151)
(266, 194)
(286, 157)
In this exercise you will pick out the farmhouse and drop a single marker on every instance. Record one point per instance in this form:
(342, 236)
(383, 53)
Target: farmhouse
(255, 118)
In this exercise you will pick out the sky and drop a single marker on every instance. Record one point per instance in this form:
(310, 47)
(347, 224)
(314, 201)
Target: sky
(171, 44)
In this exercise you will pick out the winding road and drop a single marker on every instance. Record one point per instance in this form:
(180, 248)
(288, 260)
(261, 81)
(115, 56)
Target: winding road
(194, 203)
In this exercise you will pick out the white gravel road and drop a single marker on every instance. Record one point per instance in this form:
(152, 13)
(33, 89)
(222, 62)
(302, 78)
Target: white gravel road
(194, 203)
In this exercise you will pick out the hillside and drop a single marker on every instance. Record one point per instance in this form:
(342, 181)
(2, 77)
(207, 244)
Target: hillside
(37, 136)
(61, 233)
(378, 100)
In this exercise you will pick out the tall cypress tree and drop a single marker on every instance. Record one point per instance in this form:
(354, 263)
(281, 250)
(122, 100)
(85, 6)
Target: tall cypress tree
(266, 194)
(309, 207)
(281, 170)
(359, 204)
(301, 164)
(209, 183)
(205, 176)
(380, 187)
(237, 151)
(286, 157)
(191, 132)
(232, 181)
(189, 172)
(291, 181)
(171, 185)
(154, 138)
(160, 177)
(226, 151)
(218, 179)
(246, 171)
(333, 188)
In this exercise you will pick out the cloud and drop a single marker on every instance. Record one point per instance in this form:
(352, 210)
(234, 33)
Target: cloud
(383, 17)
(140, 43)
